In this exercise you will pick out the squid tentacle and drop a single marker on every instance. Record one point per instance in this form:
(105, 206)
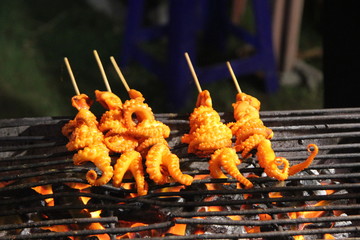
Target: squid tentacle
(313, 149)
(160, 163)
(173, 166)
(228, 160)
(130, 160)
(153, 163)
(148, 142)
(120, 142)
(140, 109)
(98, 155)
(271, 164)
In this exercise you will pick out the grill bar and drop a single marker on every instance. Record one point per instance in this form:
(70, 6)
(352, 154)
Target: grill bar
(33, 154)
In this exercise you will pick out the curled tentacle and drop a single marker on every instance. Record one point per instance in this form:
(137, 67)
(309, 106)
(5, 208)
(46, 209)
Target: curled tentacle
(140, 109)
(313, 149)
(249, 144)
(153, 162)
(145, 144)
(160, 163)
(276, 167)
(130, 161)
(149, 128)
(172, 164)
(119, 142)
(227, 159)
(98, 155)
(112, 119)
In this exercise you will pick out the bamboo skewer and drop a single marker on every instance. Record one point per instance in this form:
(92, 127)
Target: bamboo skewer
(233, 77)
(71, 76)
(122, 78)
(102, 71)
(193, 72)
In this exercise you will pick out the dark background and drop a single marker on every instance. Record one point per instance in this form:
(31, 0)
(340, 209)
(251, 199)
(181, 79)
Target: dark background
(36, 35)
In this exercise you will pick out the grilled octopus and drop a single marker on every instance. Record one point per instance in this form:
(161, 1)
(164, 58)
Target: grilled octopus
(118, 140)
(208, 136)
(85, 137)
(251, 133)
(151, 134)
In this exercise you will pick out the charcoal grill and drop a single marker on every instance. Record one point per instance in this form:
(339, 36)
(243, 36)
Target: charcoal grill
(33, 154)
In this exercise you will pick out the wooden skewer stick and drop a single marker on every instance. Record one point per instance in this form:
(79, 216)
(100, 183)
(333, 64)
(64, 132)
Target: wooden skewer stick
(233, 77)
(102, 71)
(71, 76)
(193, 72)
(116, 66)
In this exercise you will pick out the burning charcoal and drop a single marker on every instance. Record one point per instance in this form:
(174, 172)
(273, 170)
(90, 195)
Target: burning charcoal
(342, 224)
(222, 229)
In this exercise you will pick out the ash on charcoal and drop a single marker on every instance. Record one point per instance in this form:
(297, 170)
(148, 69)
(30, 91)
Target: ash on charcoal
(342, 224)
(222, 229)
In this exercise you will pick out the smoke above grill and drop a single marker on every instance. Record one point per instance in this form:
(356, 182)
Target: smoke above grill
(44, 196)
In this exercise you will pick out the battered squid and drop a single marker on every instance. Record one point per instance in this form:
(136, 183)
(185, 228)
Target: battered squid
(208, 136)
(141, 123)
(251, 134)
(207, 132)
(130, 161)
(118, 139)
(161, 164)
(85, 137)
(227, 159)
(99, 155)
(112, 123)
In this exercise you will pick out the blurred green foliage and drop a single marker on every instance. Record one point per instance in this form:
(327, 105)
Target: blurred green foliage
(36, 35)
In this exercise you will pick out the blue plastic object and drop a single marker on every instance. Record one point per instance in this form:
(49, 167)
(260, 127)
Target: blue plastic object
(186, 19)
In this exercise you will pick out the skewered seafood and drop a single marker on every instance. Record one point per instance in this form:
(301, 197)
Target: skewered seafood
(112, 123)
(84, 136)
(118, 139)
(99, 155)
(207, 132)
(209, 136)
(227, 159)
(251, 134)
(162, 164)
(130, 161)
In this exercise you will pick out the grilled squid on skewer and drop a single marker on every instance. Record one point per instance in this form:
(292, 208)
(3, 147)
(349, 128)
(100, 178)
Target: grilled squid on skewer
(251, 133)
(208, 136)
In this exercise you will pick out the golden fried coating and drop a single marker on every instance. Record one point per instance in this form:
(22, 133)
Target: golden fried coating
(99, 155)
(161, 164)
(149, 128)
(85, 137)
(251, 133)
(120, 142)
(108, 100)
(81, 101)
(130, 161)
(207, 132)
(82, 131)
(314, 150)
(138, 108)
(227, 159)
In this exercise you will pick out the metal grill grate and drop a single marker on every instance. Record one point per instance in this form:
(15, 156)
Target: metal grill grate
(33, 153)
